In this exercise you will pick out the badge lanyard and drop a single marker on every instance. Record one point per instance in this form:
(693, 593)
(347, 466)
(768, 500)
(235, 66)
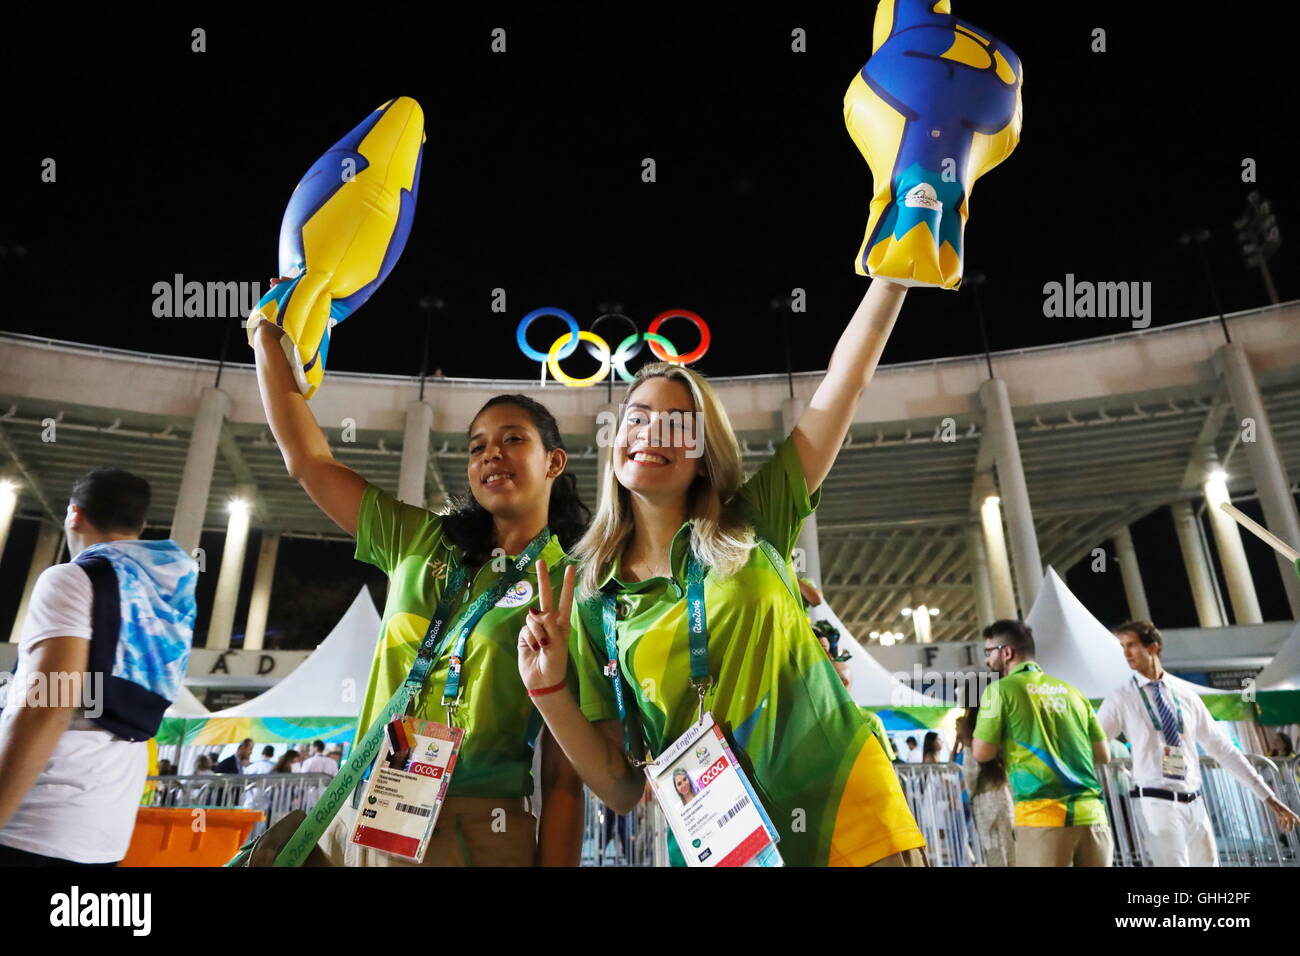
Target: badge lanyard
(698, 627)
(1151, 713)
(436, 638)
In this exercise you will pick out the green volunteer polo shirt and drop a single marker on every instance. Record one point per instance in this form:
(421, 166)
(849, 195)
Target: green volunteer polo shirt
(500, 723)
(1045, 729)
(823, 778)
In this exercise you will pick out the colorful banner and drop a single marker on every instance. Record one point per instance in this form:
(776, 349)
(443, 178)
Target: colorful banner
(916, 718)
(1274, 708)
(204, 731)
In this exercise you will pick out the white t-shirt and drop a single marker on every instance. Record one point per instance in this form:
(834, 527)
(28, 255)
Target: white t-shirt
(319, 763)
(83, 805)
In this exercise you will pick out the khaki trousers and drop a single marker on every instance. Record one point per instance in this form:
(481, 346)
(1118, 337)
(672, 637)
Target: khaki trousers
(471, 831)
(1064, 846)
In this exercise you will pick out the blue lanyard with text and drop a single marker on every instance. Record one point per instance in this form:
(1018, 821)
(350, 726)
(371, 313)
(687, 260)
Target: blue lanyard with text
(1150, 713)
(435, 640)
(698, 627)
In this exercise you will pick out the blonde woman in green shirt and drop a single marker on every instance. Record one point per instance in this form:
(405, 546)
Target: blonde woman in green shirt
(674, 505)
(518, 489)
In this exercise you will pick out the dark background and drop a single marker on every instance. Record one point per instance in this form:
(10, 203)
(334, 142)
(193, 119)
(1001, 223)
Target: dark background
(171, 161)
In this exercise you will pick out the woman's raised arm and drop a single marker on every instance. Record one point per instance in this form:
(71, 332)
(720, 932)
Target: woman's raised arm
(825, 422)
(335, 488)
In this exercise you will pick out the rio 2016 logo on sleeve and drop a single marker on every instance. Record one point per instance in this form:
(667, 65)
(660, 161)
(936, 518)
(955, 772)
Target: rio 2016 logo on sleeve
(518, 595)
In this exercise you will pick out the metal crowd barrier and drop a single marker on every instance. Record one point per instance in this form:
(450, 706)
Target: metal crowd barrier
(639, 838)
(934, 794)
(275, 794)
(1245, 830)
(1289, 769)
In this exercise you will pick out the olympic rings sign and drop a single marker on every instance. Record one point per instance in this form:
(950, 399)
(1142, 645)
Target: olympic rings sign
(598, 348)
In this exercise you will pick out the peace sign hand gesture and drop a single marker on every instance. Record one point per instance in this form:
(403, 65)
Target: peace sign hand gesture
(544, 638)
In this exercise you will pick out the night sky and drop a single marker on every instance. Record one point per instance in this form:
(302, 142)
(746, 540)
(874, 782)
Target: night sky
(170, 161)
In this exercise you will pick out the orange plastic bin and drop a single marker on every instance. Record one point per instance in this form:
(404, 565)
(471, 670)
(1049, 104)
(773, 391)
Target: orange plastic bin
(179, 836)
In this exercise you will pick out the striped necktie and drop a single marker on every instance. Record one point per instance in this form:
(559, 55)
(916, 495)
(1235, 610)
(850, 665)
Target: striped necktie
(1167, 722)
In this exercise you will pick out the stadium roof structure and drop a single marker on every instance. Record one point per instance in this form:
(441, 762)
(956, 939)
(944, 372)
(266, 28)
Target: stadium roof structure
(1109, 429)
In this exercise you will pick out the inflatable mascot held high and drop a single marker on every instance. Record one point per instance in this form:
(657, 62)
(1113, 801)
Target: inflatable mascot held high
(347, 222)
(937, 106)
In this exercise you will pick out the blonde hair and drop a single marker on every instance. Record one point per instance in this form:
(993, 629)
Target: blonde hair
(720, 538)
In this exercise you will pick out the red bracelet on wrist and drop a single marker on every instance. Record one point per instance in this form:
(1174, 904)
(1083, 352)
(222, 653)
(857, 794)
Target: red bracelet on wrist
(549, 690)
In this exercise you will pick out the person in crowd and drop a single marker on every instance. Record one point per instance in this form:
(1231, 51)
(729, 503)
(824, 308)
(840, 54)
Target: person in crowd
(109, 635)
(990, 796)
(931, 748)
(677, 518)
(203, 765)
(265, 764)
(214, 758)
(288, 762)
(1282, 746)
(318, 762)
(1051, 741)
(165, 768)
(521, 502)
(1165, 721)
(912, 754)
(237, 761)
(335, 753)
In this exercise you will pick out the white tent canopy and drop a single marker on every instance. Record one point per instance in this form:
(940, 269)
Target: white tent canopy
(1073, 645)
(872, 685)
(331, 682)
(1283, 671)
(186, 705)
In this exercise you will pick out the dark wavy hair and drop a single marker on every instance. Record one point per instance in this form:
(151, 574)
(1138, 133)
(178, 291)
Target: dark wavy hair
(469, 524)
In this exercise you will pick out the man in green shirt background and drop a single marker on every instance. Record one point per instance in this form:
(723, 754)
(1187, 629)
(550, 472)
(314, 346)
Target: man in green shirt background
(1053, 742)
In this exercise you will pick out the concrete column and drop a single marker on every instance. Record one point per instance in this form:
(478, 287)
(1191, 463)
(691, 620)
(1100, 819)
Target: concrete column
(921, 624)
(1013, 490)
(232, 570)
(808, 544)
(8, 505)
(1199, 573)
(1138, 608)
(1004, 600)
(979, 573)
(260, 602)
(196, 480)
(1232, 554)
(49, 546)
(1266, 467)
(415, 453)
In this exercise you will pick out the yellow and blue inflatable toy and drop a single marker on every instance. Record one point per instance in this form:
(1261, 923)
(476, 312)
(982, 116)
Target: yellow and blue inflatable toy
(937, 106)
(346, 224)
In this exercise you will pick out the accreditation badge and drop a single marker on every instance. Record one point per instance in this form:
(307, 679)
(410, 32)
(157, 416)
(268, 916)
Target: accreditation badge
(712, 809)
(1173, 763)
(407, 787)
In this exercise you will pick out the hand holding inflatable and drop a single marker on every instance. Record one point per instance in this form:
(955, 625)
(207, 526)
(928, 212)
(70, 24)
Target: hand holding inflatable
(936, 107)
(347, 222)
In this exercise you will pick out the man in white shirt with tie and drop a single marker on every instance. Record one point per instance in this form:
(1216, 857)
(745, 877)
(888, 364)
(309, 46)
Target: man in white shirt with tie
(1164, 720)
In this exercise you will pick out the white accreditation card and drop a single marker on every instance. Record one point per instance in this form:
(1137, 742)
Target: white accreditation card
(712, 809)
(407, 787)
